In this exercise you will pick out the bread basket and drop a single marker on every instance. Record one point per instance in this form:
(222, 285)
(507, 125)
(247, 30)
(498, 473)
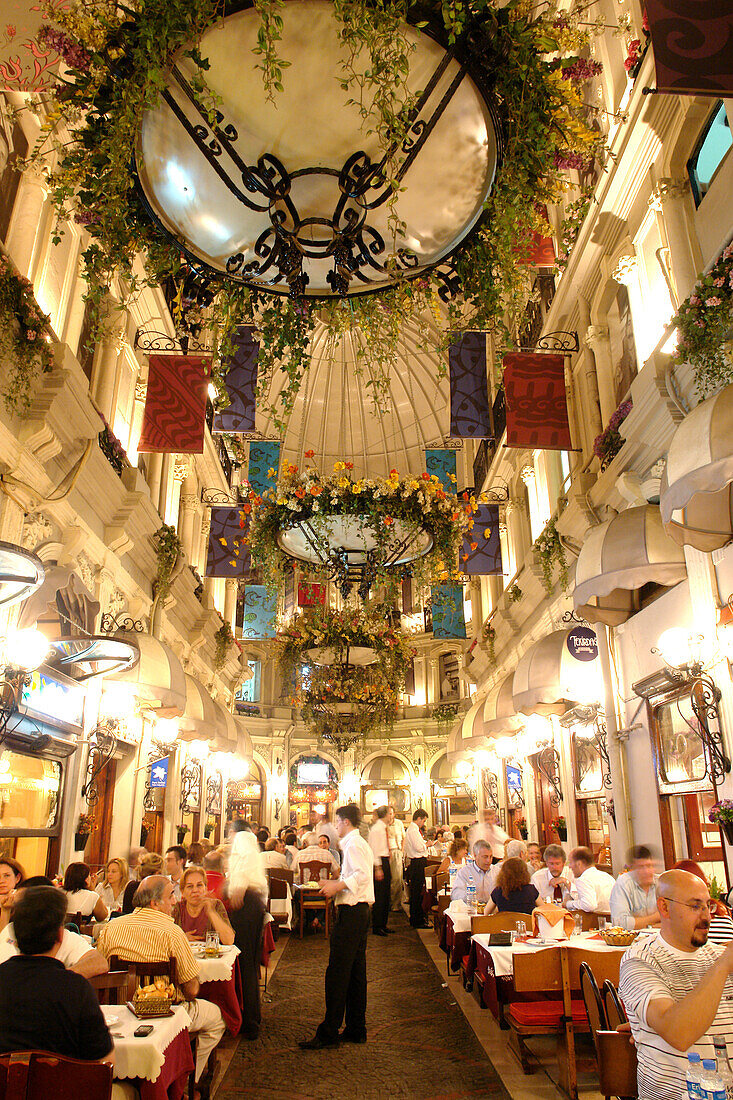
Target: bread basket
(618, 937)
(147, 1007)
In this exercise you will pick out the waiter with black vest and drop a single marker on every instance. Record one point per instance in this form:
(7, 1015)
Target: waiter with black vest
(346, 975)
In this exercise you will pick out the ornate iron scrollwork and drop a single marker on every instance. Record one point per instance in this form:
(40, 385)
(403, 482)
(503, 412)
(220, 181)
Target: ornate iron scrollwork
(110, 624)
(213, 497)
(548, 763)
(571, 617)
(490, 785)
(102, 746)
(214, 788)
(191, 777)
(704, 699)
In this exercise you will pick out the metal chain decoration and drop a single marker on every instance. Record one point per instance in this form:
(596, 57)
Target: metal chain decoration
(102, 747)
(548, 763)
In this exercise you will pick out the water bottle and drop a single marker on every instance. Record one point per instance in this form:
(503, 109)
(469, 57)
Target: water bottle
(724, 1067)
(452, 872)
(711, 1081)
(471, 896)
(692, 1077)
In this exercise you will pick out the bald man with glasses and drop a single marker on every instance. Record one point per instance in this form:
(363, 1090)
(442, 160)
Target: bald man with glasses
(677, 987)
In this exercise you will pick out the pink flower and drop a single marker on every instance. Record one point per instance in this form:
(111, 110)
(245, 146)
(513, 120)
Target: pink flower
(713, 301)
(31, 334)
(719, 282)
(694, 300)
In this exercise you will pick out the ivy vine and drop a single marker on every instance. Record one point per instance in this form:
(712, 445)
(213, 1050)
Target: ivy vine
(168, 547)
(223, 639)
(550, 554)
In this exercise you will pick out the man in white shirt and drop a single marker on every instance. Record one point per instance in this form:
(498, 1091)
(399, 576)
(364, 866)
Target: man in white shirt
(379, 844)
(479, 872)
(75, 952)
(247, 897)
(554, 882)
(676, 987)
(396, 834)
(416, 852)
(634, 897)
(324, 826)
(175, 865)
(491, 832)
(274, 854)
(346, 974)
(592, 887)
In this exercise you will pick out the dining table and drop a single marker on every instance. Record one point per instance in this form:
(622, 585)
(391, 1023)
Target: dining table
(221, 983)
(158, 1064)
(455, 938)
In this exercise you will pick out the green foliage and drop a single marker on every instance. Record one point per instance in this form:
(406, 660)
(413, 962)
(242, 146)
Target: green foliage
(223, 639)
(705, 325)
(25, 335)
(514, 593)
(550, 554)
(167, 549)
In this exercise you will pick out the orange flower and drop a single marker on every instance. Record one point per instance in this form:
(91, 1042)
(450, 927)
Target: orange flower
(456, 516)
(465, 557)
(464, 496)
(300, 493)
(316, 490)
(388, 520)
(474, 546)
(440, 494)
(309, 454)
(247, 508)
(426, 477)
(349, 465)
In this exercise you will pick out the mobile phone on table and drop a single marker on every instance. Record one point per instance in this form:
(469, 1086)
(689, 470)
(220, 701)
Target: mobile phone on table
(142, 1031)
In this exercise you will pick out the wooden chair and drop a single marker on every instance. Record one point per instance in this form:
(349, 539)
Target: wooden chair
(499, 922)
(37, 1075)
(277, 890)
(286, 875)
(113, 988)
(165, 968)
(616, 1065)
(590, 920)
(317, 902)
(615, 1011)
(593, 1001)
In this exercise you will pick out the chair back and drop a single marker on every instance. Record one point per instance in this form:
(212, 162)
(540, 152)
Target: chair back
(538, 971)
(615, 1011)
(281, 873)
(590, 920)
(165, 968)
(441, 879)
(602, 964)
(38, 1075)
(278, 887)
(616, 1064)
(498, 922)
(431, 865)
(113, 988)
(311, 871)
(593, 1002)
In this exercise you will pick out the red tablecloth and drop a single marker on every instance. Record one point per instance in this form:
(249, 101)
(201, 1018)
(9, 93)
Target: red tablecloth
(172, 1080)
(455, 944)
(228, 996)
(268, 944)
(496, 993)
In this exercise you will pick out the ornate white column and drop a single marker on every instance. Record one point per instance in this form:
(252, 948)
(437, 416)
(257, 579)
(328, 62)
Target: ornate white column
(27, 221)
(672, 198)
(598, 341)
(105, 370)
(231, 588)
(518, 530)
(186, 518)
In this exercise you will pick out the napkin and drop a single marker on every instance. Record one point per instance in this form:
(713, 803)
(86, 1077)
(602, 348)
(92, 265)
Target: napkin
(552, 922)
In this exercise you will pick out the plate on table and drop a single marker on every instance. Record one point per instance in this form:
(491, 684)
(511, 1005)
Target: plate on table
(110, 1021)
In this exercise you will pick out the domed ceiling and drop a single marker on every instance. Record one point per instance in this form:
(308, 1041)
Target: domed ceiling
(338, 416)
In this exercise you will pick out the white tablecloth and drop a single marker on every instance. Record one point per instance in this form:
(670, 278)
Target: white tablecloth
(460, 916)
(216, 970)
(503, 957)
(284, 905)
(142, 1057)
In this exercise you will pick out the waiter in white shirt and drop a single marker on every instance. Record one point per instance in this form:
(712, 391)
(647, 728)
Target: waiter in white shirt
(346, 974)
(416, 851)
(490, 831)
(379, 844)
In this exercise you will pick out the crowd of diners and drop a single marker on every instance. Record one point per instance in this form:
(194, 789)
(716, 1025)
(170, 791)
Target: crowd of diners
(675, 981)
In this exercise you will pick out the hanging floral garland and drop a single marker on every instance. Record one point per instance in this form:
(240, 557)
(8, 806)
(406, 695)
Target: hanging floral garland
(416, 506)
(118, 58)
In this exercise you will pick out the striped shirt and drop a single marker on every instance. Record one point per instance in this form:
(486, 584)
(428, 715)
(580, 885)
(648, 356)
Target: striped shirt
(653, 970)
(148, 935)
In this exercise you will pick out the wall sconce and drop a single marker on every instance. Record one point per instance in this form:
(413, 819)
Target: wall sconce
(21, 652)
(279, 786)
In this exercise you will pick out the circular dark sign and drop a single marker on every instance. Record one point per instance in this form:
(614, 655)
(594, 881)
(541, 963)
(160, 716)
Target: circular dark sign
(583, 643)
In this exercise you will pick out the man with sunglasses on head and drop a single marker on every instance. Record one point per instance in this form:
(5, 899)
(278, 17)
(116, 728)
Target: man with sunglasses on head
(676, 987)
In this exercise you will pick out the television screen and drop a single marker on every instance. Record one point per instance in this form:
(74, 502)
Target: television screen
(310, 774)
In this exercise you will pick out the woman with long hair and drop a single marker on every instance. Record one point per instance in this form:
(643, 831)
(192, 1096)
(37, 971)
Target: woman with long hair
(80, 896)
(11, 877)
(112, 887)
(513, 893)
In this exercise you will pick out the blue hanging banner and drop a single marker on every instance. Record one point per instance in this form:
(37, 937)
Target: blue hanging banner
(264, 459)
(447, 603)
(260, 607)
(443, 465)
(481, 553)
(159, 772)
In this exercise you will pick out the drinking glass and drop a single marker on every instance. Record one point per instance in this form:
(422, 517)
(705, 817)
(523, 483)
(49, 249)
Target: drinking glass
(578, 923)
(521, 934)
(212, 943)
(602, 924)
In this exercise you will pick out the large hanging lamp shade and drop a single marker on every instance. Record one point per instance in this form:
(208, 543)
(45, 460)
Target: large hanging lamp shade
(21, 573)
(560, 669)
(618, 557)
(696, 496)
(201, 720)
(158, 678)
(500, 718)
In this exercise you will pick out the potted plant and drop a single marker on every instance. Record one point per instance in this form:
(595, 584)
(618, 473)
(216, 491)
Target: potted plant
(522, 827)
(208, 829)
(81, 834)
(560, 826)
(181, 831)
(721, 814)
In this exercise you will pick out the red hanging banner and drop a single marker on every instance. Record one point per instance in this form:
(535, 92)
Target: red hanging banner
(693, 46)
(310, 595)
(175, 405)
(536, 403)
(536, 250)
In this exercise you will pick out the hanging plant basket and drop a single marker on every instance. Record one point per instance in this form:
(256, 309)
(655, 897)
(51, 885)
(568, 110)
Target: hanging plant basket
(181, 833)
(80, 841)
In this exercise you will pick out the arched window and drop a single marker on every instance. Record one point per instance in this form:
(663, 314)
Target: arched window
(710, 151)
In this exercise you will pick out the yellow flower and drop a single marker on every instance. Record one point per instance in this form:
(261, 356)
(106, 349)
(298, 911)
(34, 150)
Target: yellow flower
(414, 484)
(339, 465)
(272, 472)
(343, 483)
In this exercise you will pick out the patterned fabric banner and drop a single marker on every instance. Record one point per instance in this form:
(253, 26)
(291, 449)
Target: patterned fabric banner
(693, 46)
(470, 416)
(481, 553)
(175, 405)
(442, 464)
(310, 595)
(228, 553)
(536, 250)
(448, 620)
(536, 405)
(260, 607)
(263, 457)
(241, 383)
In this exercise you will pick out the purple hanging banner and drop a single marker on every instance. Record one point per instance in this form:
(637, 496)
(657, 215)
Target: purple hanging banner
(228, 552)
(241, 383)
(470, 416)
(481, 553)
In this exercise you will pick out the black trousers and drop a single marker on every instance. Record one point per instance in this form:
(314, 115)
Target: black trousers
(382, 891)
(247, 925)
(346, 974)
(416, 874)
